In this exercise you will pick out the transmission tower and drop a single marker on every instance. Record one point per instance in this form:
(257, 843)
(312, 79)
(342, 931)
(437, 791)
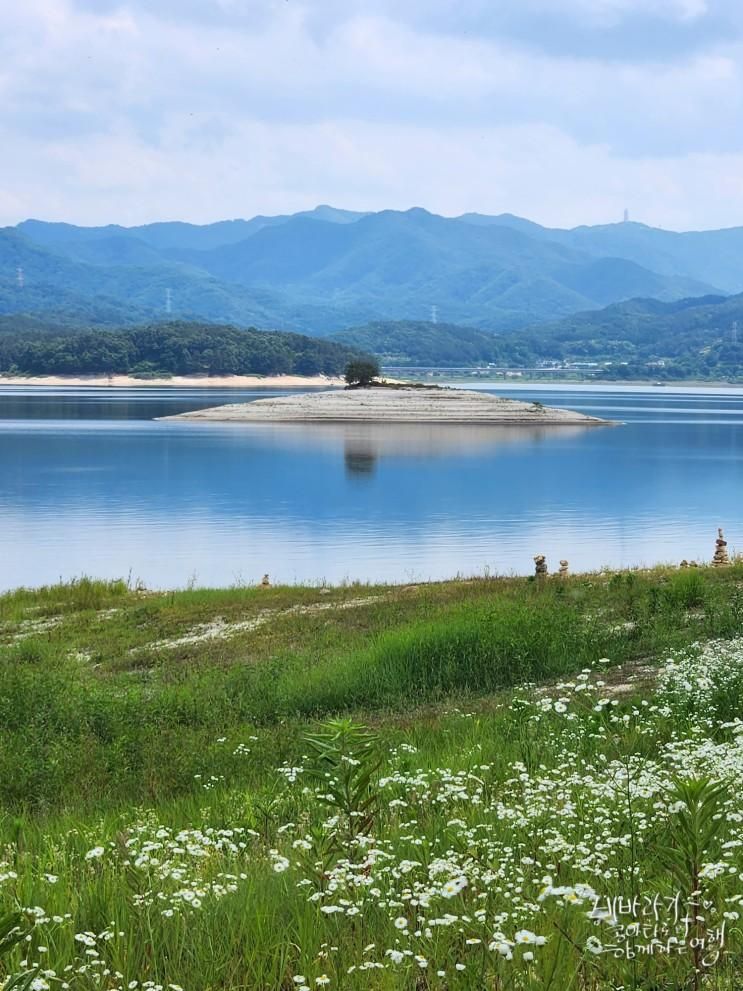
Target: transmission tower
(20, 279)
(168, 301)
(734, 332)
(434, 314)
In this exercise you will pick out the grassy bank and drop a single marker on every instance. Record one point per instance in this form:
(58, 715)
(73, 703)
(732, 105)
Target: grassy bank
(110, 695)
(190, 797)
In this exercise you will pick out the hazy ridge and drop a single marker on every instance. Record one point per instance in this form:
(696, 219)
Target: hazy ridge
(326, 269)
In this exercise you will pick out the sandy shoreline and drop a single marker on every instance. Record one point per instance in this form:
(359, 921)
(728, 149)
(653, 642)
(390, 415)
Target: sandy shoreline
(177, 381)
(397, 405)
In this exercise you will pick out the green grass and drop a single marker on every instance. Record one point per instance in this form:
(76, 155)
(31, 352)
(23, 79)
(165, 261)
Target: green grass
(111, 739)
(92, 712)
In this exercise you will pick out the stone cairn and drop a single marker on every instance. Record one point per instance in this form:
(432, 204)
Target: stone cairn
(540, 566)
(720, 558)
(265, 582)
(564, 569)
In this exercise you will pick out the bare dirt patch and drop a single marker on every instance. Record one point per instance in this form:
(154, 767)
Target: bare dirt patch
(221, 629)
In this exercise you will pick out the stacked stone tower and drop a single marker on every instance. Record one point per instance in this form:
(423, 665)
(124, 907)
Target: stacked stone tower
(720, 558)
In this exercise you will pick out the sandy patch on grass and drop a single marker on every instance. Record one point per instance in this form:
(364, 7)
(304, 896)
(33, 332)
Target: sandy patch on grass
(28, 628)
(221, 629)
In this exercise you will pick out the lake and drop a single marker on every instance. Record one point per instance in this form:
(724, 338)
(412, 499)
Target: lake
(92, 484)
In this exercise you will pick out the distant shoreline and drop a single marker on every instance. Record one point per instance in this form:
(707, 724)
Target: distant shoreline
(650, 383)
(474, 381)
(176, 381)
(326, 381)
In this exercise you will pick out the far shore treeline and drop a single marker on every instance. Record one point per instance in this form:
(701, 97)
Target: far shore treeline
(639, 338)
(176, 348)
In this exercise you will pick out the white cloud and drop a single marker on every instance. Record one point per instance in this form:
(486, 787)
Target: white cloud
(128, 113)
(612, 11)
(534, 170)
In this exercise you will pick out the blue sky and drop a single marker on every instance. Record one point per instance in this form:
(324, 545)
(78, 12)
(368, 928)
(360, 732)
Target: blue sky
(565, 111)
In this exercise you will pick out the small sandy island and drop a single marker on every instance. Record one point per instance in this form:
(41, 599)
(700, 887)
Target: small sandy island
(177, 381)
(394, 405)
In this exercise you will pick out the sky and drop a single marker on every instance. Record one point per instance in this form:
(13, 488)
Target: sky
(563, 111)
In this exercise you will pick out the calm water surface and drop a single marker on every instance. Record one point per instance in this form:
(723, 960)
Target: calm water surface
(91, 484)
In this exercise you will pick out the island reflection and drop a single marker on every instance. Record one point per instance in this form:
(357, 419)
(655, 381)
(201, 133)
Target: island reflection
(365, 444)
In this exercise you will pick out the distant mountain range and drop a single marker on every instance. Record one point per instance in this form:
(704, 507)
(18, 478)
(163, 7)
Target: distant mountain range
(326, 269)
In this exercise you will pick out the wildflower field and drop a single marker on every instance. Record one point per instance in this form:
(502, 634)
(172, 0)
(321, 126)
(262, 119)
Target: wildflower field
(490, 784)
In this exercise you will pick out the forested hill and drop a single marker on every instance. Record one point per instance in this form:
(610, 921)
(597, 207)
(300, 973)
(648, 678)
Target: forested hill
(688, 338)
(641, 338)
(419, 342)
(173, 348)
(321, 271)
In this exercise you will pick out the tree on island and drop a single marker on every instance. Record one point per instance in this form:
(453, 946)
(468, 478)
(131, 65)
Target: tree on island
(362, 373)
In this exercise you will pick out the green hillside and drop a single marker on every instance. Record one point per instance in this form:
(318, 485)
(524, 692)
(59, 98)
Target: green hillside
(393, 265)
(420, 342)
(713, 256)
(80, 292)
(172, 348)
(691, 338)
(323, 270)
